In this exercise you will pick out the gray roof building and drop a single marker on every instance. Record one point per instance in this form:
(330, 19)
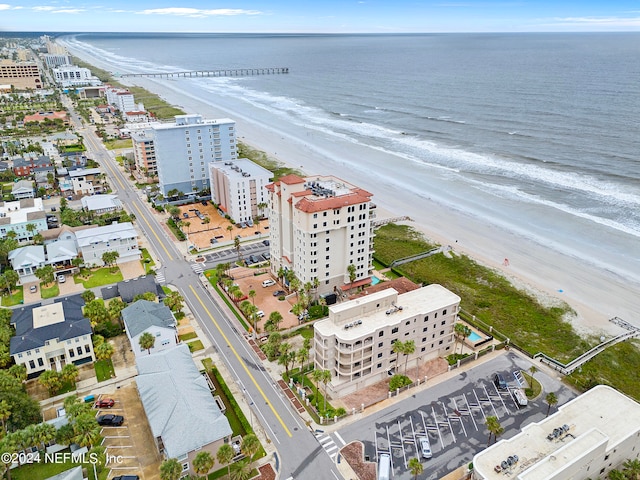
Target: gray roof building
(129, 289)
(144, 314)
(31, 334)
(181, 411)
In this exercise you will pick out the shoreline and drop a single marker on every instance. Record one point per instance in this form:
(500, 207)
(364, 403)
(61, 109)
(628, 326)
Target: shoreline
(594, 293)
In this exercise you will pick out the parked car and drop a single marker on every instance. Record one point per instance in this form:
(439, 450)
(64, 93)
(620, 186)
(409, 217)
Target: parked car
(268, 283)
(204, 202)
(110, 420)
(425, 447)
(266, 256)
(260, 314)
(62, 279)
(500, 382)
(277, 293)
(253, 259)
(185, 215)
(105, 403)
(33, 288)
(126, 477)
(266, 242)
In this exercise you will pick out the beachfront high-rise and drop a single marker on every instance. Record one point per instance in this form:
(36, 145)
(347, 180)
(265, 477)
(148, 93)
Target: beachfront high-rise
(355, 343)
(184, 148)
(319, 226)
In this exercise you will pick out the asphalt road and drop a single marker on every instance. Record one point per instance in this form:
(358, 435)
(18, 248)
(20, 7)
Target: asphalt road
(300, 455)
(453, 415)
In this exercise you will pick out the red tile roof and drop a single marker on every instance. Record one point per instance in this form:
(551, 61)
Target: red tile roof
(291, 179)
(311, 205)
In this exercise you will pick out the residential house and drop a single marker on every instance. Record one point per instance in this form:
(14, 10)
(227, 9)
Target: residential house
(50, 336)
(100, 204)
(176, 399)
(355, 343)
(127, 290)
(86, 181)
(120, 98)
(136, 116)
(23, 167)
(117, 237)
(42, 174)
(587, 437)
(22, 189)
(150, 317)
(26, 260)
(16, 216)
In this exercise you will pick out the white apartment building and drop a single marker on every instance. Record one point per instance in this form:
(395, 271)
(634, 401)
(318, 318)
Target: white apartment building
(120, 98)
(355, 342)
(15, 216)
(184, 149)
(50, 336)
(318, 226)
(117, 237)
(73, 76)
(239, 188)
(144, 151)
(586, 438)
(56, 59)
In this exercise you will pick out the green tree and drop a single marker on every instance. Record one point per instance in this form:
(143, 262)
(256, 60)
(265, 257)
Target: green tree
(109, 258)
(236, 245)
(86, 430)
(149, 296)
(533, 370)
(11, 278)
(551, 399)
(274, 321)
(104, 351)
(30, 227)
(398, 348)
(250, 446)
(69, 373)
(252, 296)
(19, 371)
(240, 470)
(285, 356)
(174, 301)
(415, 467)
(51, 380)
(45, 274)
(24, 409)
(351, 271)
(170, 469)
(225, 456)
(230, 230)
(147, 341)
(88, 296)
(461, 331)
(203, 463)
(96, 312)
(494, 427)
(409, 348)
(206, 221)
(398, 381)
(5, 413)
(100, 454)
(115, 308)
(631, 468)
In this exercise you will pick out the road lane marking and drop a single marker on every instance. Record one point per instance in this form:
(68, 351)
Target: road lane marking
(152, 230)
(241, 361)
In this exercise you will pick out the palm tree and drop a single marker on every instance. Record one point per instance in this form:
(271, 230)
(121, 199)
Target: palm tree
(70, 373)
(240, 471)
(236, 245)
(203, 463)
(250, 446)
(551, 400)
(86, 430)
(30, 227)
(230, 229)
(462, 332)
(5, 413)
(632, 468)
(147, 341)
(351, 270)
(494, 427)
(415, 467)
(398, 348)
(323, 376)
(409, 348)
(225, 456)
(104, 351)
(252, 295)
(206, 221)
(170, 469)
(533, 370)
(275, 318)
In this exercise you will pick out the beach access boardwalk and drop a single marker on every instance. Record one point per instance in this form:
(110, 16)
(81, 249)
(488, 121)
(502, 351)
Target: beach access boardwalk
(233, 72)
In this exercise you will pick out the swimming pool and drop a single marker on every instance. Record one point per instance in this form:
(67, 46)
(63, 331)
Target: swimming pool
(375, 280)
(474, 337)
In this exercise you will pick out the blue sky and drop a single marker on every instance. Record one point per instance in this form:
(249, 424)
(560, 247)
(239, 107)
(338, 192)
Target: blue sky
(320, 16)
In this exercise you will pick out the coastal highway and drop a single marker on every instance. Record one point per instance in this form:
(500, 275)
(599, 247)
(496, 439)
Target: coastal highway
(299, 455)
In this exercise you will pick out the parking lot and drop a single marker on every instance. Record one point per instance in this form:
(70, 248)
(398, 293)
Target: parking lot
(452, 415)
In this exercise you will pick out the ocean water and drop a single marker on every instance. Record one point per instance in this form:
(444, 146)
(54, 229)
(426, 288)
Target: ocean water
(536, 133)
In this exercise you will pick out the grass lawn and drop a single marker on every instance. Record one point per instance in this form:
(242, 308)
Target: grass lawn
(207, 363)
(104, 370)
(261, 158)
(50, 292)
(16, 298)
(195, 346)
(187, 336)
(99, 277)
(120, 143)
(166, 289)
(146, 261)
(536, 387)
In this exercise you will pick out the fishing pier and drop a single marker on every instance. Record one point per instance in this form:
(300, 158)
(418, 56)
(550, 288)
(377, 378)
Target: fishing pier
(234, 72)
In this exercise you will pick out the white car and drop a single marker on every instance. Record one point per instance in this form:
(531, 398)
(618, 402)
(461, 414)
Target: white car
(268, 283)
(425, 447)
(62, 279)
(260, 314)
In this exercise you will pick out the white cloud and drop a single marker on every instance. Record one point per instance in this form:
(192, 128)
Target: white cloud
(44, 8)
(52, 9)
(4, 6)
(600, 21)
(198, 13)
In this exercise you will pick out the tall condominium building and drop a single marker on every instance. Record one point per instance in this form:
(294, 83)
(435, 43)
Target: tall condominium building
(21, 75)
(185, 148)
(355, 343)
(144, 152)
(121, 99)
(239, 188)
(56, 59)
(586, 438)
(318, 227)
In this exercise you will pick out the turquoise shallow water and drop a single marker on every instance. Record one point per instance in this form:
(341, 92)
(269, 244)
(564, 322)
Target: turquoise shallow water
(474, 337)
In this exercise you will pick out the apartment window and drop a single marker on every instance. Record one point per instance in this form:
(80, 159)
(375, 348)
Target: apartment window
(28, 353)
(423, 349)
(425, 329)
(87, 349)
(394, 330)
(441, 332)
(380, 344)
(40, 362)
(407, 322)
(380, 355)
(79, 349)
(379, 365)
(32, 364)
(380, 334)
(444, 312)
(424, 339)
(443, 322)
(440, 342)
(315, 215)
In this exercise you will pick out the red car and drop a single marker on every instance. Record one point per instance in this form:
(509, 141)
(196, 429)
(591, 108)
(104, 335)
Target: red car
(105, 403)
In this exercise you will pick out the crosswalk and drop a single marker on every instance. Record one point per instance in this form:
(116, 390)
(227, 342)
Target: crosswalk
(328, 445)
(197, 267)
(160, 277)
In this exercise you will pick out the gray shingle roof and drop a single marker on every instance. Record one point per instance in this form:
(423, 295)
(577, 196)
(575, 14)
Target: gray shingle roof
(178, 402)
(28, 338)
(144, 314)
(128, 289)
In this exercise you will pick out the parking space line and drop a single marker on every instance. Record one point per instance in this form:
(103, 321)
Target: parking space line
(491, 402)
(459, 418)
(480, 405)
(435, 419)
(470, 412)
(390, 455)
(402, 444)
(449, 422)
(502, 401)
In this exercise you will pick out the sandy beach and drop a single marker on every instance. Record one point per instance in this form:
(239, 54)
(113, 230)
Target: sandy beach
(593, 292)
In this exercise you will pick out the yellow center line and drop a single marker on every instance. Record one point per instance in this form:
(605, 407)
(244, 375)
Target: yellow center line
(244, 365)
(153, 231)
